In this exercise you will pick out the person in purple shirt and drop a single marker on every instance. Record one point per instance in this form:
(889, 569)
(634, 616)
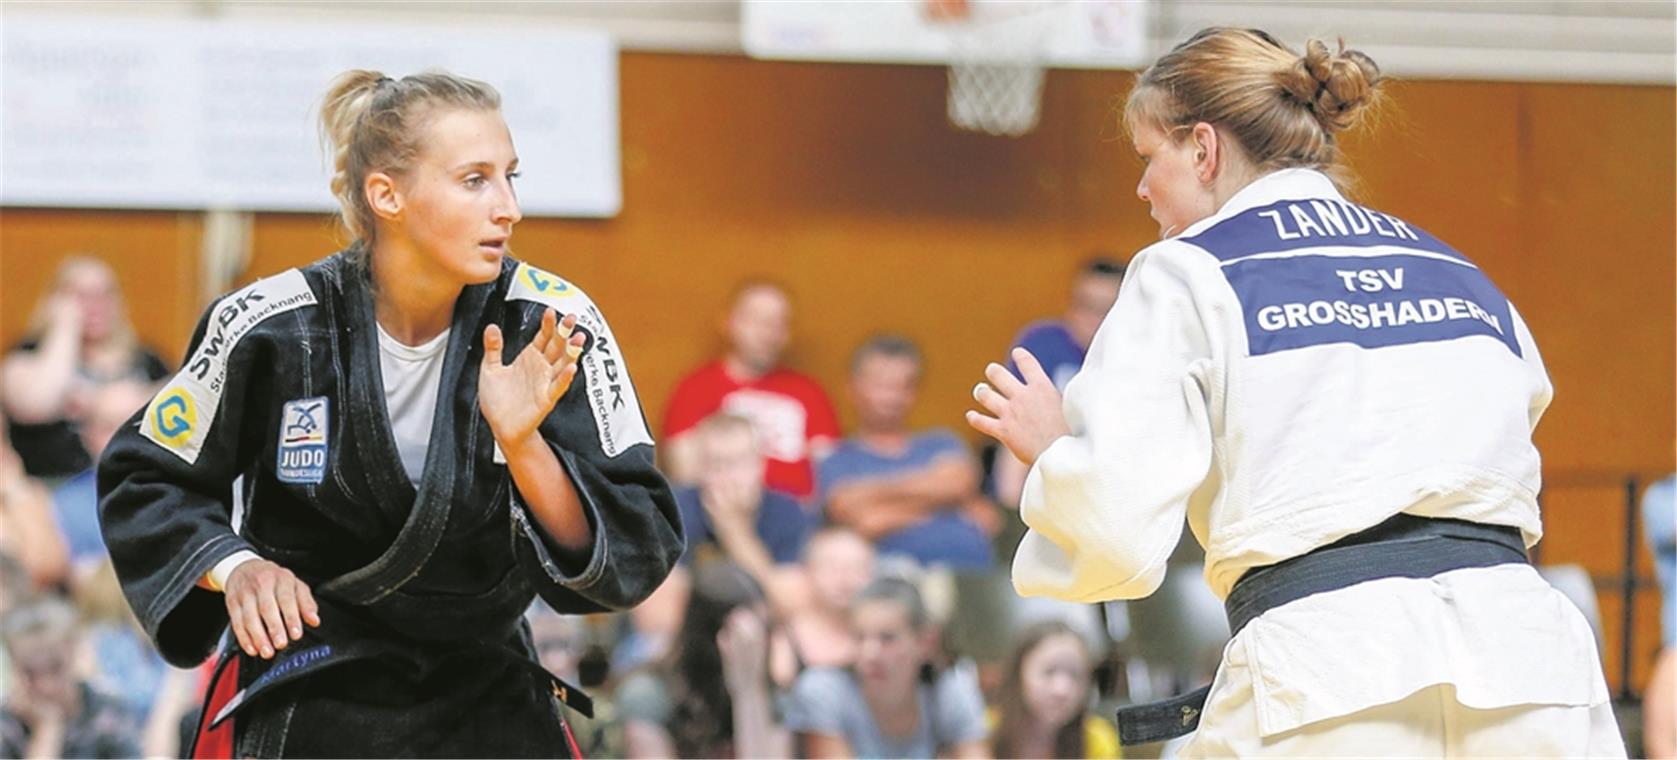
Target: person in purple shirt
(1059, 346)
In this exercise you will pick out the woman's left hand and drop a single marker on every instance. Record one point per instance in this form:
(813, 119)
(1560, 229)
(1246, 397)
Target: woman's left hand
(516, 397)
(1026, 416)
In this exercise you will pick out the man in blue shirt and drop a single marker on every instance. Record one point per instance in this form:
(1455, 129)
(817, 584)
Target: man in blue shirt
(914, 494)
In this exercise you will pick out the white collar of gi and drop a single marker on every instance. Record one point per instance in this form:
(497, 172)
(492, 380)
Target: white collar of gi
(1279, 185)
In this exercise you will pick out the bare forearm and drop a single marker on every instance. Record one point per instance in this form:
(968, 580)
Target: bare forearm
(905, 498)
(943, 482)
(546, 487)
(755, 733)
(38, 382)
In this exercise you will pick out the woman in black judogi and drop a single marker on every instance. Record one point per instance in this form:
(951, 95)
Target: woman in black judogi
(283, 485)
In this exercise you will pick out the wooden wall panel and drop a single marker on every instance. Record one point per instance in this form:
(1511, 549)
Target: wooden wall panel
(155, 255)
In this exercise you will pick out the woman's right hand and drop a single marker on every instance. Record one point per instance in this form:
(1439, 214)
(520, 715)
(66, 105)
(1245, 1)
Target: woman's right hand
(267, 607)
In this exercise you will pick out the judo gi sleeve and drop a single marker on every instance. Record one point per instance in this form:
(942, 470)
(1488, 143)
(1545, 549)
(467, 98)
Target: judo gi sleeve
(599, 433)
(166, 481)
(1105, 504)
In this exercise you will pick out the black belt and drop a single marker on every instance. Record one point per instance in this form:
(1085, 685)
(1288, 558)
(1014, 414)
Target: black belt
(295, 664)
(1404, 546)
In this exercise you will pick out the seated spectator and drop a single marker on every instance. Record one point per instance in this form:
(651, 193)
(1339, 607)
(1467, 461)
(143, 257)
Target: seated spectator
(1044, 698)
(711, 696)
(50, 712)
(892, 703)
(730, 513)
(1060, 345)
(76, 502)
(27, 532)
(913, 494)
(793, 417)
(837, 565)
(79, 339)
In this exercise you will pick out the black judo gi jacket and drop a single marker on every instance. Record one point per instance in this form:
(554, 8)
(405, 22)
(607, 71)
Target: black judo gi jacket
(274, 437)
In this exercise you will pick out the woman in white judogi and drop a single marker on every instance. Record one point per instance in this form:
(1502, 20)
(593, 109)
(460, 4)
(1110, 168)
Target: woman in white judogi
(1341, 406)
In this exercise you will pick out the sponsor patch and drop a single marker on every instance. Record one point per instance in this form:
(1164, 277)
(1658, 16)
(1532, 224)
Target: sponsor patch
(302, 441)
(611, 395)
(180, 416)
(172, 417)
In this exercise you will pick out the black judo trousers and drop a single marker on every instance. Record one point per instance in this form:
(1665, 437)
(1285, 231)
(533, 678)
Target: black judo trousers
(274, 437)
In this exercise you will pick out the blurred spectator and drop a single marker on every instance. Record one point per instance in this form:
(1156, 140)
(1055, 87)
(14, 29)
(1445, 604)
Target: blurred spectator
(15, 587)
(27, 532)
(711, 697)
(837, 565)
(1043, 700)
(893, 703)
(125, 665)
(730, 515)
(560, 644)
(914, 494)
(1659, 518)
(1659, 708)
(50, 712)
(79, 339)
(76, 502)
(1060, 345)
(730, 512)
(794, 418)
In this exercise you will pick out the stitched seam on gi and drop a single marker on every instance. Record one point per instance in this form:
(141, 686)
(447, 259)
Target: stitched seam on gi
(168, 601)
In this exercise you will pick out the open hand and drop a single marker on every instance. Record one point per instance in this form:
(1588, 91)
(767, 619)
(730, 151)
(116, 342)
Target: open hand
(516, 397)
(267, 607)
(1026, 417)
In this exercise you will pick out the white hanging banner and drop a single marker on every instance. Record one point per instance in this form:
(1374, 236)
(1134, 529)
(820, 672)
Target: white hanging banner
(195, 113)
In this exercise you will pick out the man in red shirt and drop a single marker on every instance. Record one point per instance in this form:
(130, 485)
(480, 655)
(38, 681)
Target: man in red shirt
(792, 415)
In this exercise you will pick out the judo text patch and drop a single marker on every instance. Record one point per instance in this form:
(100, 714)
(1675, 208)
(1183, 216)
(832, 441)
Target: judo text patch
(302, 442)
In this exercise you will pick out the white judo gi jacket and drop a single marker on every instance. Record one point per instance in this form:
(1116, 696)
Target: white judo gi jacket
(1286, 372)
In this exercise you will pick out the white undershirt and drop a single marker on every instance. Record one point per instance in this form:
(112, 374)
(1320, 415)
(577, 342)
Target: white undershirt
(412, 375)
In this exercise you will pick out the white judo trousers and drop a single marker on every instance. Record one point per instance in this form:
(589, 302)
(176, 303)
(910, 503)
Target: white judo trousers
(1481, 711)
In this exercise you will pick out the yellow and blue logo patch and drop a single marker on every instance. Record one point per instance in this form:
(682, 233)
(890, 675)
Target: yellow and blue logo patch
(172, 417)
(543, 283)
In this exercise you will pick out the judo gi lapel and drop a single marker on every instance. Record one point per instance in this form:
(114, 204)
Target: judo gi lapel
(428, 517)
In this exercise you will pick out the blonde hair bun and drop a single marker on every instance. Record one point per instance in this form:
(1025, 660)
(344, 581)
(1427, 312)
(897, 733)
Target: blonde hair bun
(1335, 86)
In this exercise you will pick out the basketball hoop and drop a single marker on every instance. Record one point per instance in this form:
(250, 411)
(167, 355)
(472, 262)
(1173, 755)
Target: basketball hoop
(997, 55)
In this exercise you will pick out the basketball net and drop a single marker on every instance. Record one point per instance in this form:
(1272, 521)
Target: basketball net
(997, 50)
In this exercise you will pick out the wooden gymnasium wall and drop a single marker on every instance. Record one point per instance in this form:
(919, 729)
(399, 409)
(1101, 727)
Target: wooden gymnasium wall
(844, 183)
